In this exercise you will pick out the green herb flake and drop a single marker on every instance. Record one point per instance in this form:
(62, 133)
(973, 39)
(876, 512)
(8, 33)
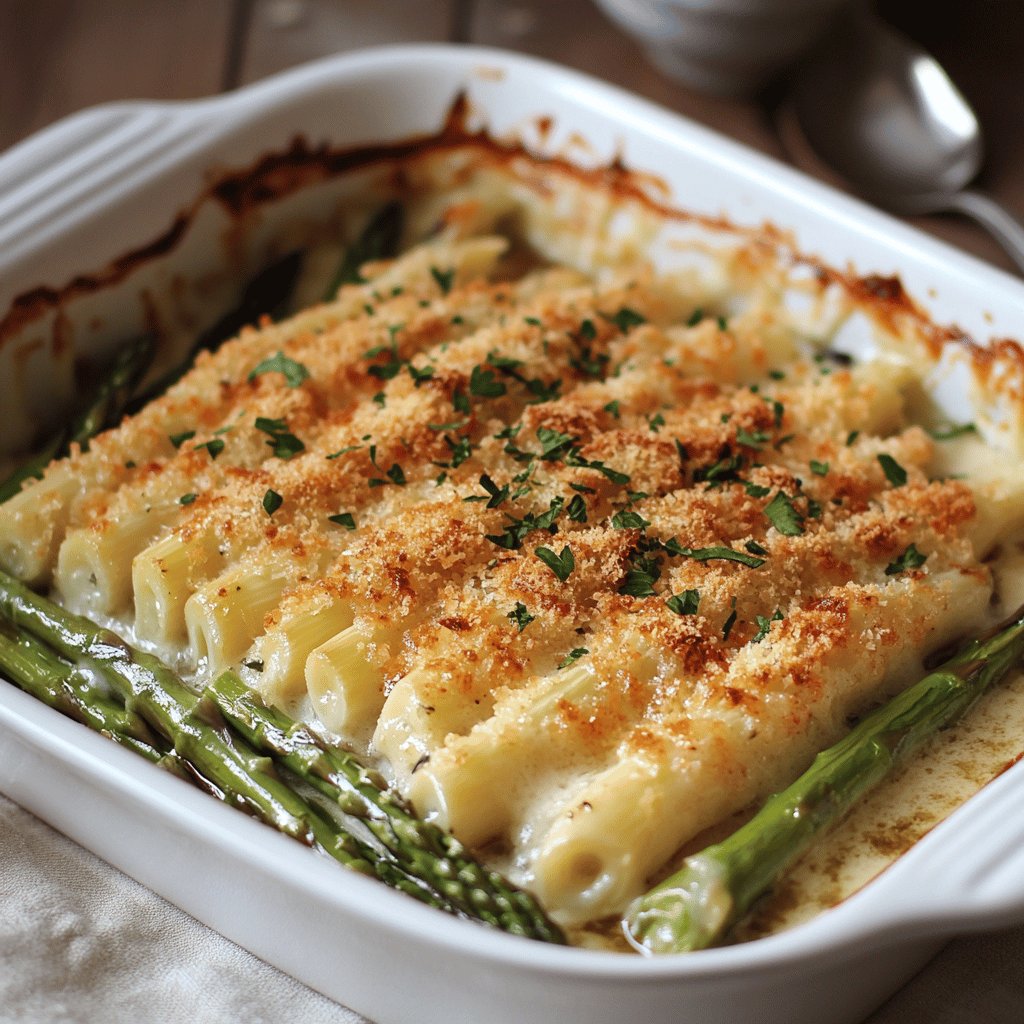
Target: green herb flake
(756, 490)
(179, 439)
(910, 559)
(851, 437)
(629, 520)
(294, 373)
(695, 317)
(496, 494)
(345, 519)
(577, 509)
(533, 321)
(272, 501)
(627, 318)
(444, 279)
(344, 451)
(948, 431)
(752, 439)
(214, 447)
(187, 499)
(764, 624)
(484, 384)
(561, 564)
(613, 408)
(520, 616)
(554, 444)
(588, 332)
(784, 516)
(819, 468)
(755, 549)
(284, 444)
(574, 655)
(460, 402)
(380, 399)
(685, 603)
(396, 475)
(656, 422)
(729, 622)
(894, 472)
(776, 375)
(724, 554)
(723, 324)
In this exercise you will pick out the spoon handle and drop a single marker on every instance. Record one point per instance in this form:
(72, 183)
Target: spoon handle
(1003, 226)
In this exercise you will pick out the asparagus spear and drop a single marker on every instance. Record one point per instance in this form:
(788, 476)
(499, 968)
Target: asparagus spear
(422, 848)
(379, 240)
(227, 764)
(104, 409)
(697, 906)
(36, 669)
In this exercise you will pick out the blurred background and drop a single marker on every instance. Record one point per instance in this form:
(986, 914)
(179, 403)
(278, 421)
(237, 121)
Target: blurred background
(57, 56)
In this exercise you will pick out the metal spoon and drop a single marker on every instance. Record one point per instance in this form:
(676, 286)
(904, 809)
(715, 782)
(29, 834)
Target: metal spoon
(884, 114)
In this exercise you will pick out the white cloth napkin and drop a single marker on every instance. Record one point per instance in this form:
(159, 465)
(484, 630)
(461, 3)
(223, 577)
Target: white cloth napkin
(82, 943)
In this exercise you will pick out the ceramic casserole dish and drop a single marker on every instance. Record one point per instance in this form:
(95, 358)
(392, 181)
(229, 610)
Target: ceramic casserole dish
(103, 208)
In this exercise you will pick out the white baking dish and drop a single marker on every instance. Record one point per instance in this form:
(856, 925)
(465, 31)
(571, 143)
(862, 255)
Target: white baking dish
(108, 180)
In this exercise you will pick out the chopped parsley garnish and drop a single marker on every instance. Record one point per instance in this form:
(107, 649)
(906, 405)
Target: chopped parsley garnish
(894, 472)
(591, 365)
(179, 439)
(574, 655)
(695, 317)
(685, 603)
(454, 425)
(944, 433)
(496, 494)
(543, 392)
(444, 279)
(819, 468)
(588, 332)
(577, 509)
(294, 373)
(460, 402)
(613, 408)
(484, 384)
(379, 399)
(656, 422)
(283, 444)
(724, 554)
(764, 624)
(784, 516)
(756, 490)
(520, 616)
(729, 622)
(755, 549)
(461, 450)
(420, 374)
(851, 437)
(214, 447)
(641, 576)
(187, 499)
(345, 519)
(395, 475)
(752, 439)
(386, 371)
(723, 324)
(583, 488)
(554, 445)
(776, 375)
(724, 469)
(626, 319)
(629, 520)
(561, 564)
(910, 559)
(272, 501)
(533, 321)
(344, 451)
(500, 362)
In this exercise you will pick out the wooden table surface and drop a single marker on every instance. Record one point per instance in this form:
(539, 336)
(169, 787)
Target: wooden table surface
(57, 56)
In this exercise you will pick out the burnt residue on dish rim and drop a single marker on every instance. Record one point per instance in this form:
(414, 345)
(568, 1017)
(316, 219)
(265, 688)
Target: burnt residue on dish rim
(240, 192)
